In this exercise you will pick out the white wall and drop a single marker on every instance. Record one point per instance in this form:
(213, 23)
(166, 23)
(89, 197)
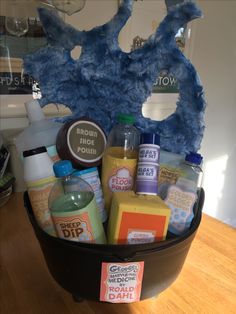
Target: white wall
(214, 56)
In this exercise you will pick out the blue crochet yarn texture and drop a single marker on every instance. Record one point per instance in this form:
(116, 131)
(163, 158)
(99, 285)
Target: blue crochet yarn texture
(105, 80)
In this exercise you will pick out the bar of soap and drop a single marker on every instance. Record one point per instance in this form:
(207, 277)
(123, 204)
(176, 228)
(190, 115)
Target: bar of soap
(137, 218)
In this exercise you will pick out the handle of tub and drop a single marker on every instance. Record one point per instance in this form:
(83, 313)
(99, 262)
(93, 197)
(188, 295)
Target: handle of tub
(150, 248)
(125, 258)
(201, 199)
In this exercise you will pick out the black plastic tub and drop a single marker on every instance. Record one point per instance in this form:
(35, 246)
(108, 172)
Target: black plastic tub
(77, 267)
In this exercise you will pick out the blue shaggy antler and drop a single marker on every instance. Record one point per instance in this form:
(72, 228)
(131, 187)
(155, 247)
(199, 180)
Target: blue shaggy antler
(105, 80)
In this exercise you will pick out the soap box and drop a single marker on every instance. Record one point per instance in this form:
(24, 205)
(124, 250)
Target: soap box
(137, 218)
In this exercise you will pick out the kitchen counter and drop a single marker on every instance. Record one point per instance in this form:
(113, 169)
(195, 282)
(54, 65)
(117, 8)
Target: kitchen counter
(206, 284)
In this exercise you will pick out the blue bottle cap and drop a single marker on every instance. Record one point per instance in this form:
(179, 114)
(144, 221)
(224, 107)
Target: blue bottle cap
(150, 138)
(194, 158)
(62, 168)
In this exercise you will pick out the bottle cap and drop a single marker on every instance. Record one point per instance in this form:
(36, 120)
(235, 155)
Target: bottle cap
(62, 168)
(35, 151)
(194, 158)
(125, 118)
(150, 138)
(34, 111)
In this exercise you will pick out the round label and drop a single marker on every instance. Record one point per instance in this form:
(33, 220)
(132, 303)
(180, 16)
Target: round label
(86, 141)
(122, 180)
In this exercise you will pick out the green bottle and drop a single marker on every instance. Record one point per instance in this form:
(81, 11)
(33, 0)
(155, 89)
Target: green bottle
(73, 207)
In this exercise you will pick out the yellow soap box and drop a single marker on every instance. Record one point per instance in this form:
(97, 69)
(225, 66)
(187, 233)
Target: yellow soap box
(137, 218)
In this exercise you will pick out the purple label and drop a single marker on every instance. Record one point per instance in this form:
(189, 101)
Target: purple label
(147, 174)
(146, 187)
(149, 153)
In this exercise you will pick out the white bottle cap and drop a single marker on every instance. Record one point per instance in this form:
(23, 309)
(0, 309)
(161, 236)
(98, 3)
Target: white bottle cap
(34, 111)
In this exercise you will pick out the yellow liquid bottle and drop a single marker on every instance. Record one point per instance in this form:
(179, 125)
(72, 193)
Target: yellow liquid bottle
(120, 158)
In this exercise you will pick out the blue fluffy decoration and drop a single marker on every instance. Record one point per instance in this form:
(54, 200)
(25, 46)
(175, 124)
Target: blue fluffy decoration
(105, 80)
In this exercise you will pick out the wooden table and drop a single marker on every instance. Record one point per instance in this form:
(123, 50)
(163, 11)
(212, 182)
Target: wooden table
(207, 283)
